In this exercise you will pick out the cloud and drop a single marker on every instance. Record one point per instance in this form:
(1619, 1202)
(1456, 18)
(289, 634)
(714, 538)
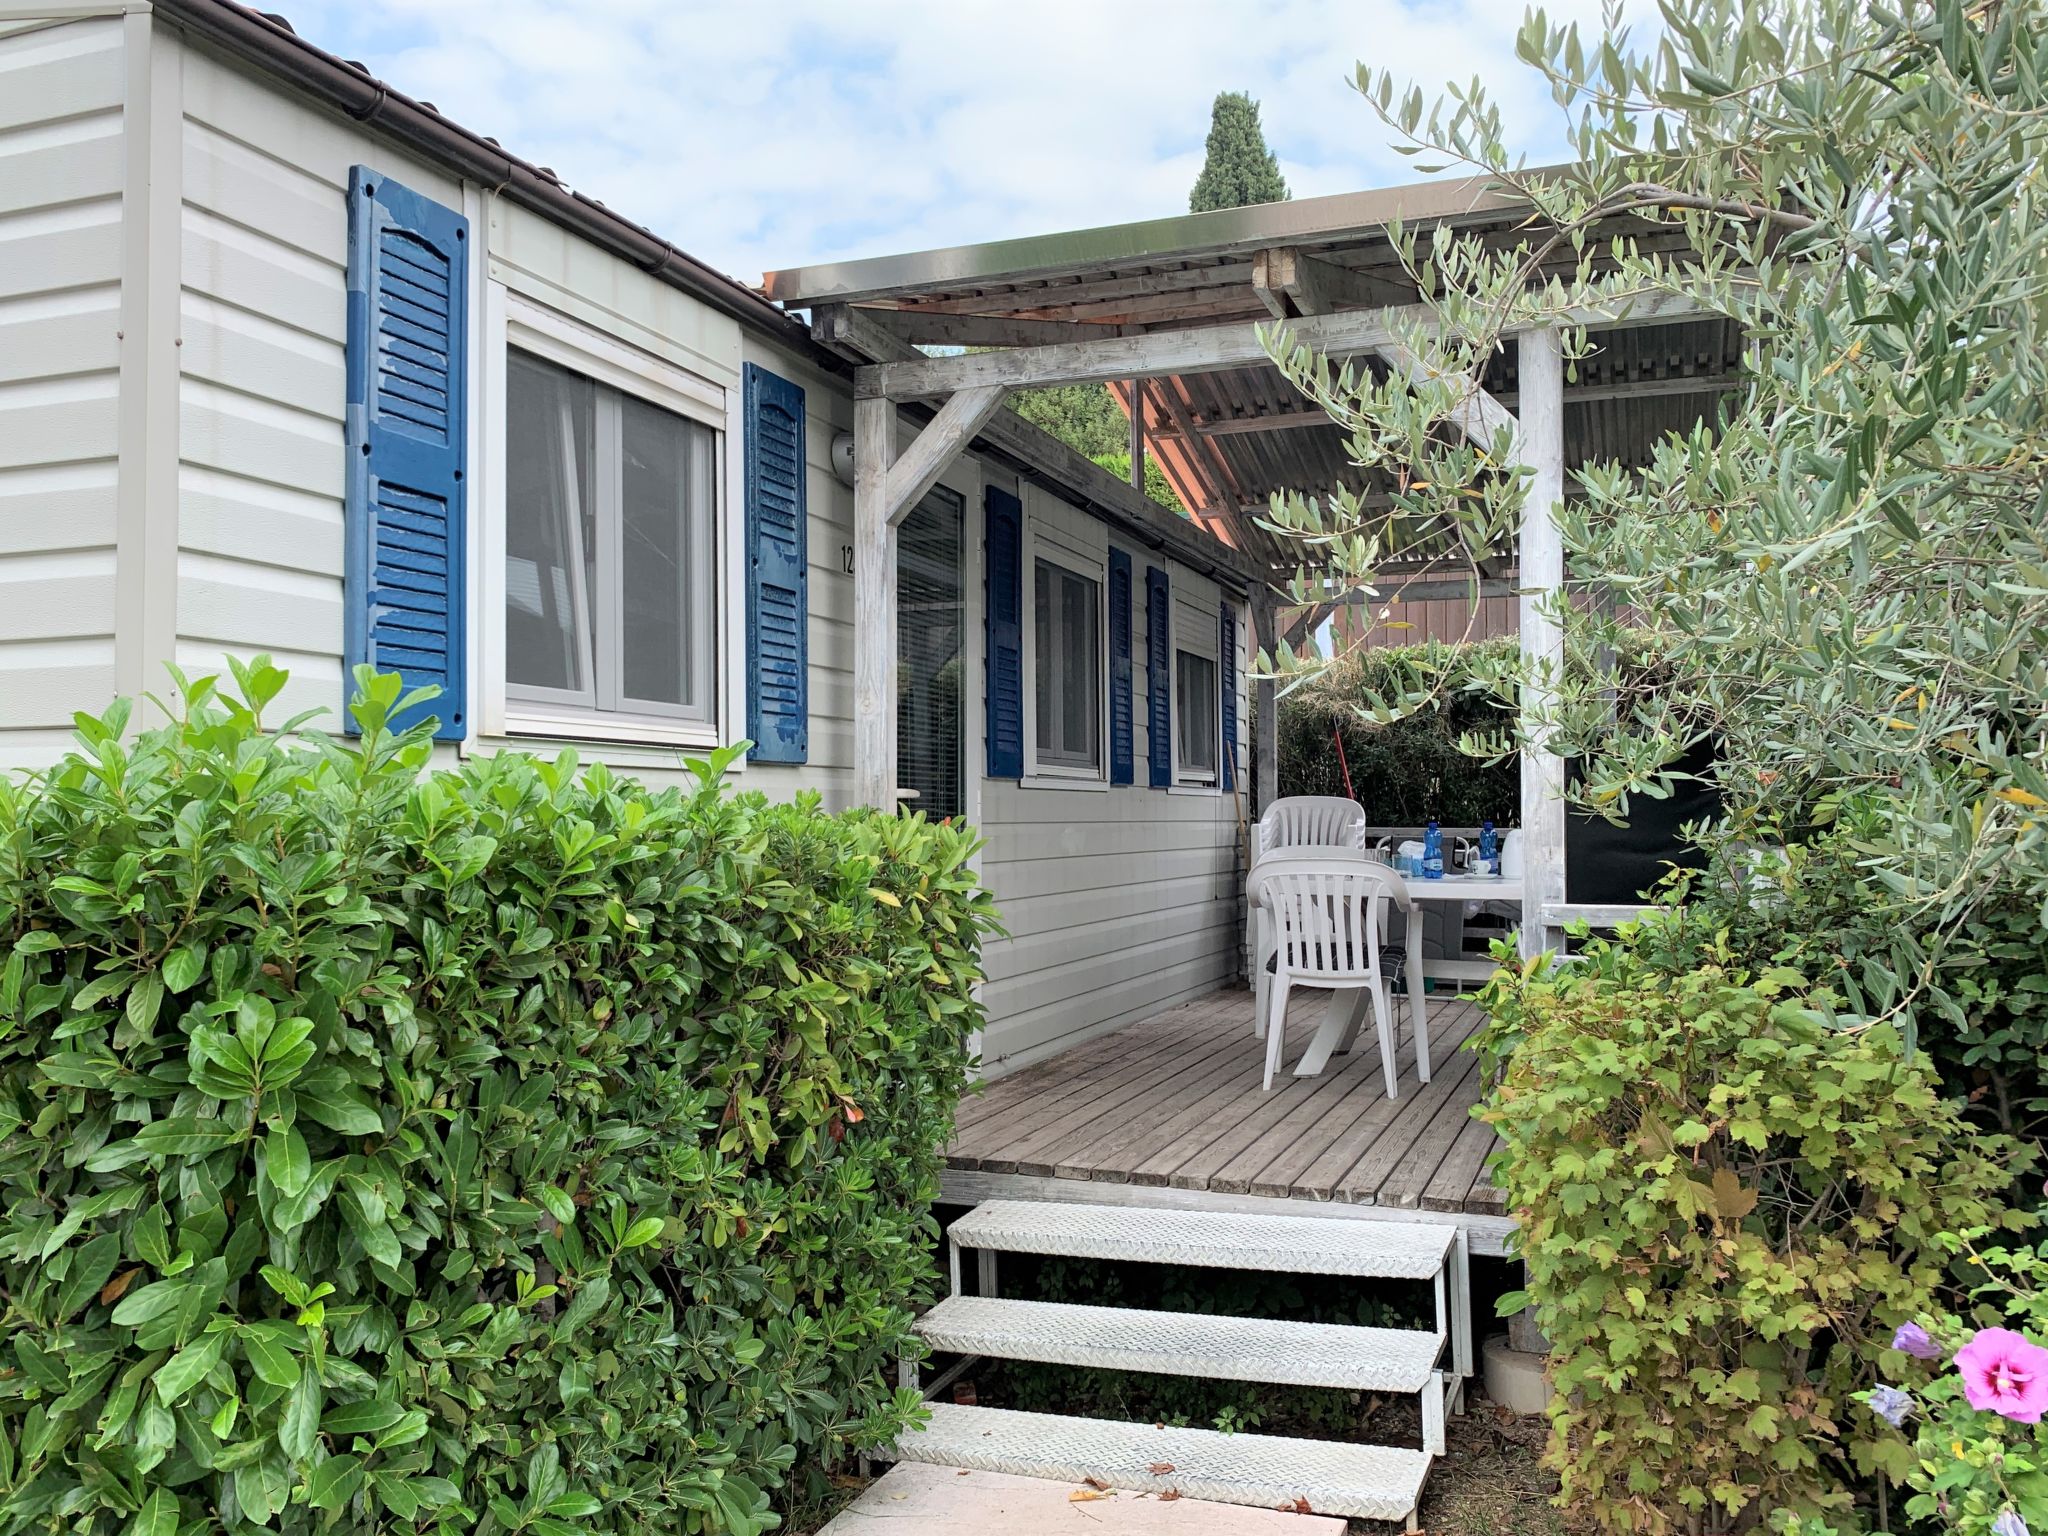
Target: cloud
(772, 134)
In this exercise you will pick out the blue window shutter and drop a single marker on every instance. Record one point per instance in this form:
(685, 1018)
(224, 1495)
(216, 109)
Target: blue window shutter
(407, 431)
(1228, 673)
(1120, 722)
(778, 608)
(1003, 603)
(1159, 676)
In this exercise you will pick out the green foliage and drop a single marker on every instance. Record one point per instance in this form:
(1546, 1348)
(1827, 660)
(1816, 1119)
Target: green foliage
(1394, 756)
(1156, 484)
(1974, 995)
(1727, 1201)
(1841, 572)
(1085, 417)
(1238, 169)
(1088, 420)
(1968, 1466)
(508, 1148)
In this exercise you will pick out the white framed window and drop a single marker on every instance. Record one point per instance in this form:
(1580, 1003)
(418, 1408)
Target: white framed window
(1197, 694)
(1066, 693)
(605, 578)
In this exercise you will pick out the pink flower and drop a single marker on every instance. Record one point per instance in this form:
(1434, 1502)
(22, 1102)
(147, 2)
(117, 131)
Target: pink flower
(2005, 1374)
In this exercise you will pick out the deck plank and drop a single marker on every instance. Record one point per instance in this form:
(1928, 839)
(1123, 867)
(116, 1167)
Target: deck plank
(1316, 1122)
(1148, 1153)
(1144, 1127)
(1421, 1133)
(1229, 1161)
(1089, 1103)
(1451, 1186)
(1314, 1165)
(1051, 1082)
(1174, 1099)
(1327, 1177)
(1226, 1104)
(1009, 1096)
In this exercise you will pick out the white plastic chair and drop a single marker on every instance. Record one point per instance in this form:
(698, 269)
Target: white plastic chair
(1310, 821)
(1297, 824)
(1329, 922)
(1292, 860)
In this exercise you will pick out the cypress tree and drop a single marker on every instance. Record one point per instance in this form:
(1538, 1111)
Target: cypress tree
(1239, 169)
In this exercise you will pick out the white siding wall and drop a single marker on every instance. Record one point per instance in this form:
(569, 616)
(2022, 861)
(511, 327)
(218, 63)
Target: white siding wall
(1119, 902)
(263, 306)
(61, 176)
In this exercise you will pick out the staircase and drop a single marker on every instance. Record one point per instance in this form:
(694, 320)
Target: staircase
(1373, 1482)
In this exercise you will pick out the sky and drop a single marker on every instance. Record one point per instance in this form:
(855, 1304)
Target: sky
(771, 133)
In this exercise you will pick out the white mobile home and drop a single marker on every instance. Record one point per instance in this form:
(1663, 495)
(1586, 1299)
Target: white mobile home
(289, 363)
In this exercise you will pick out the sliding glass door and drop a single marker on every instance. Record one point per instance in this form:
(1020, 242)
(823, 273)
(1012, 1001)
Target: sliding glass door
(931, 615)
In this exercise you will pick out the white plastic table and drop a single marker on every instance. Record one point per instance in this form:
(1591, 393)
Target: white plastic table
(1463, 888)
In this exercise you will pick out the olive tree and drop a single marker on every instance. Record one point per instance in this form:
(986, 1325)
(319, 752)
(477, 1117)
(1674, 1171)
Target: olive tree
(1840, 577)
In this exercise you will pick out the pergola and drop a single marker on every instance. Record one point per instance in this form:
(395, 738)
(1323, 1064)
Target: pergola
(1167, 314)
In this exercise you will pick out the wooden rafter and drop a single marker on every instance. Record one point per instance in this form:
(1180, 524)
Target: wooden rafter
(1580, 394)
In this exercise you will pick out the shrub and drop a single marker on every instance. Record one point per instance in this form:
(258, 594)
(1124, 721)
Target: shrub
(508, 1148)
(1971, 992)
(1975, 1468)
(1402, 770)
(1726, 1205)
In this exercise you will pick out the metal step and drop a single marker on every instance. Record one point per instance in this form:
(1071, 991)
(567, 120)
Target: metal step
(1368, 1482)
(1301, 1245)
(1186, 1344)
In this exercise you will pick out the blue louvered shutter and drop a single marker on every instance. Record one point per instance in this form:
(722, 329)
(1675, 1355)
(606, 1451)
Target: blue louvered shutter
(407, 430)
(1003, 603)
(1228, 674)
(778, 623)
(1120, 722)
(1159, 676)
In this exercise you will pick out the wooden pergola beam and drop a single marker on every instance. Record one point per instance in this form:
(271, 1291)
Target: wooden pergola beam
(926, 329)
(1206, 350)
(1102, 291)
(1479, 416)
(1420, 589)
(1291, 283)
(943, 439)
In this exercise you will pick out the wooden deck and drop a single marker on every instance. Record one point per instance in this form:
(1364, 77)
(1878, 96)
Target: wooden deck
(1173, 1102)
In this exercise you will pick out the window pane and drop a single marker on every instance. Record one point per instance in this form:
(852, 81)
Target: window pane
(1045, 685)
(929, 616)
(1082, 715)
(1068, 686)
(665, 498)
(550, 525)
(1196, 704)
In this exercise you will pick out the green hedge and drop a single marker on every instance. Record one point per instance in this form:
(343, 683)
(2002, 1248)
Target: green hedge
(510, 1148)
(1394, 765)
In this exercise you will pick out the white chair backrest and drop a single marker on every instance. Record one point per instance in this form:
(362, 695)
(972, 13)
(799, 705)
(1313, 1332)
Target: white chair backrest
(1311, 821)
(1329, 920)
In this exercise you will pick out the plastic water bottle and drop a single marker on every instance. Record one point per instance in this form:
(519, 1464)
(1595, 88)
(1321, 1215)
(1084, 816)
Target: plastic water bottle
(1433, 851)
(1489, 848)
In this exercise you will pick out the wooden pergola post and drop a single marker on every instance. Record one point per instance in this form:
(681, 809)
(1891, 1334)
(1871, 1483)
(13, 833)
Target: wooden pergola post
(1266, 708)
(885, 488)
(1539, 442)
(874, 606)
